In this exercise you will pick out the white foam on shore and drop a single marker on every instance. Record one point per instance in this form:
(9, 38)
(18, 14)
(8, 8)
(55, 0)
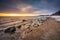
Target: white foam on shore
(56, 17)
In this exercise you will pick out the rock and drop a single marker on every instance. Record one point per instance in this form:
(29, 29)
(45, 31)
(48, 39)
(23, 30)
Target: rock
(57, 13)
(10, 30)
(1, 30)
(23, 20)
(19, 26)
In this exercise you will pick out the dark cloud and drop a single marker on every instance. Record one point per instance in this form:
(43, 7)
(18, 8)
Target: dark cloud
(37, 5)
(7, 5)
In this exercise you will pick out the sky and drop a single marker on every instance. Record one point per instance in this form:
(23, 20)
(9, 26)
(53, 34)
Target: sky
(43, 7)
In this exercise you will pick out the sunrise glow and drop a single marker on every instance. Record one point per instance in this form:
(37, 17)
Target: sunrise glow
(12, 14)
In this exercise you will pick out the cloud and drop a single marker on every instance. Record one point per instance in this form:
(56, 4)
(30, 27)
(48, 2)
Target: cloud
(29, 6)
(31, 9)
(43, 1)
(43, 12)
(26, 8)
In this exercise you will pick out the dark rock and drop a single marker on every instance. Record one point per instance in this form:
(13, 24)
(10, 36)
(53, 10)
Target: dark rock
(23, 20)
(57, 13)
(37, 25)
(23, 24)
(10, 30)
(1, 30)
(19, 26)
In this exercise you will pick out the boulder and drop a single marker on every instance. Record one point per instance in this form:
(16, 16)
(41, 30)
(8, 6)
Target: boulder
(10, 30)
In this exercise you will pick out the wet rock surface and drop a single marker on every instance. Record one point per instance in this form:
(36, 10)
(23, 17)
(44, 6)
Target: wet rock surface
(34, 29)
(10, 30)
(48, 31)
